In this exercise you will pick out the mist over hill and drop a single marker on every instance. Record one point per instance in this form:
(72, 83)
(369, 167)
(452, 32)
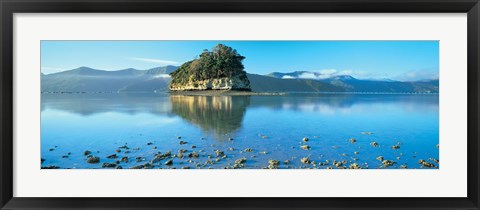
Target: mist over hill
(85, 79)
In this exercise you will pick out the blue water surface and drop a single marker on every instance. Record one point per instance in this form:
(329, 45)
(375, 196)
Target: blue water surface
(257, 128)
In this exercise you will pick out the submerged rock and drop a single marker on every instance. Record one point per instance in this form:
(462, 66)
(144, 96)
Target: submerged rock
(124, 147)
(248, 150)
(143, 166)
(112, 156)
(194, 155)
(305, 160)
(395, 146)
(160, 156)
(183, 142)
(380, 158)
(434, 160)
(305, 147)
(339, 164)
(50, 167)
(87, 152)
(426, 164)
(354, 166)
(219, 153)
(240, 163)
(93, 159)
(273, 164)
(109, 165)
(387, 163)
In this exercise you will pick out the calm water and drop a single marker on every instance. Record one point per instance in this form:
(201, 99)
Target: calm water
(271, 126)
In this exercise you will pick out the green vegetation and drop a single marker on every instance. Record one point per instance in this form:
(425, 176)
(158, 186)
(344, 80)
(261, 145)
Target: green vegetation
(222, 61)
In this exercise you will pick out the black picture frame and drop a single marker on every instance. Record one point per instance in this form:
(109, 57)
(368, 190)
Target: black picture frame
(10, 7)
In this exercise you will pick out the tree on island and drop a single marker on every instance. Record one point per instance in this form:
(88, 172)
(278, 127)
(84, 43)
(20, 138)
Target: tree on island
(217, 66)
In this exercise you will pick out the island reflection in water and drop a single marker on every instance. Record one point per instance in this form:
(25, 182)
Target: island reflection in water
(219, 115)
(258, 128)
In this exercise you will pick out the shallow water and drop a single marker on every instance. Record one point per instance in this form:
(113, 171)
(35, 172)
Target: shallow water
(272, 126)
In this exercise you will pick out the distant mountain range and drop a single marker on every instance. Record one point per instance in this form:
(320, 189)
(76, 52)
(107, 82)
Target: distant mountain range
(86, 79)
(350, 84)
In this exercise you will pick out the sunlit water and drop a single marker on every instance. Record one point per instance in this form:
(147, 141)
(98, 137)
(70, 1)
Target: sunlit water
(271, 126)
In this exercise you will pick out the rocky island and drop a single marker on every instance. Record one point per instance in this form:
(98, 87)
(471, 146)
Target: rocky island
(218, 69)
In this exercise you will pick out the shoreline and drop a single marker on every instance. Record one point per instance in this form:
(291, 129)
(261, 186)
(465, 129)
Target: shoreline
(224, 93)
(233, 92)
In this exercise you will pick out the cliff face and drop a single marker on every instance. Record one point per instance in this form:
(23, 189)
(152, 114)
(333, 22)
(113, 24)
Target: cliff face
(220, 69)
(237, 82)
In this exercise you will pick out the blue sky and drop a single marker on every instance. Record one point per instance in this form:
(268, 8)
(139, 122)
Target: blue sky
(400, 60)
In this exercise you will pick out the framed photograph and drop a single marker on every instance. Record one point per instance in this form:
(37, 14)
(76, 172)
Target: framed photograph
(239, 104)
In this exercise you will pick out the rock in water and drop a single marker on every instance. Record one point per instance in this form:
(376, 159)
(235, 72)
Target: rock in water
(219, 69)
(93, 159)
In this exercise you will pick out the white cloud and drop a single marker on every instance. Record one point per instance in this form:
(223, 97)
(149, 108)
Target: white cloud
(288, 77)
(329, 73)
(151, 60)
(161, 76)
(307, 76)
(323, 76)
